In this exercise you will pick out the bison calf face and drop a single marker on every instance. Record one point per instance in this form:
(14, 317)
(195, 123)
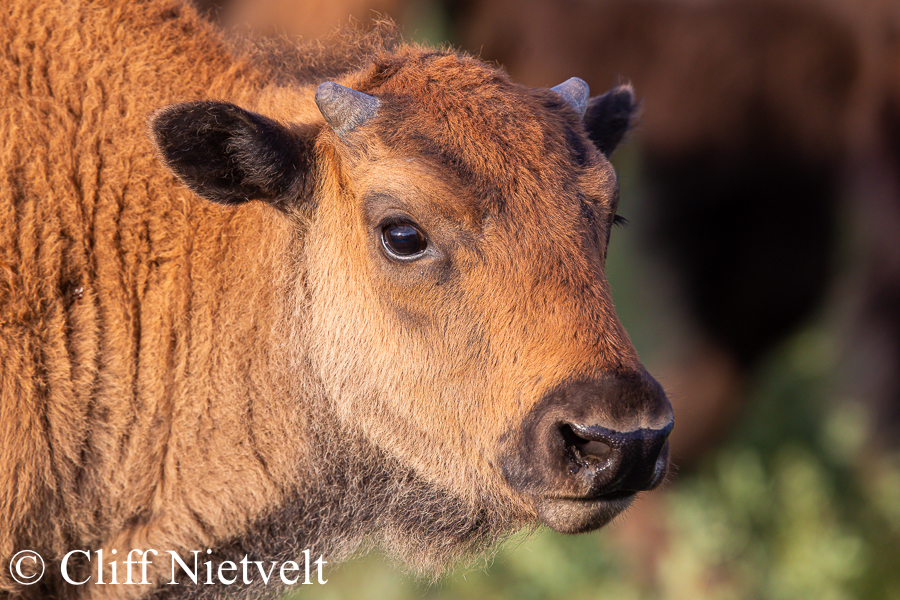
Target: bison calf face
(455, 311)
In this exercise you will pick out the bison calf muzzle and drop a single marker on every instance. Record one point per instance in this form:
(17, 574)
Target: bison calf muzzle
(581, 470)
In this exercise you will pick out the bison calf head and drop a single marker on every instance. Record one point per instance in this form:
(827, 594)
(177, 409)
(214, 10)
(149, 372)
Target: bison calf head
(452, 308)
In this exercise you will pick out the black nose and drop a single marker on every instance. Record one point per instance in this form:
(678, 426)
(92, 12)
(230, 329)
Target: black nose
(603, 438)
(623, 462)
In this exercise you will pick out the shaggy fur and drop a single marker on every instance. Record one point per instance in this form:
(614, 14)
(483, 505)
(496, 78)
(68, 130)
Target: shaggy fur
(258, 379)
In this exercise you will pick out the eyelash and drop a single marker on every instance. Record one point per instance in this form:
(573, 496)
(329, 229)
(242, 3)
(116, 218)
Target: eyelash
(619, 221)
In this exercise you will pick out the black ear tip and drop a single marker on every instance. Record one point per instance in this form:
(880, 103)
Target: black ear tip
(609, 117)
(156, 123)
(620, 101)
(623, 89)
(157, 127)
(623, 95)
(169, 122)
(161, 125)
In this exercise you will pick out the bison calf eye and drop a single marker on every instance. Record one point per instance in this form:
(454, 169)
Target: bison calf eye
(403, 240)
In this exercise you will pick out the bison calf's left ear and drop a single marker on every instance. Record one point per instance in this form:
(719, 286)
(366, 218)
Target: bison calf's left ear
(609, 117)
(229, 155)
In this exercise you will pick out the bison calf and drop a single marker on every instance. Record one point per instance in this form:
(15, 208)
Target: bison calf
(334, 299)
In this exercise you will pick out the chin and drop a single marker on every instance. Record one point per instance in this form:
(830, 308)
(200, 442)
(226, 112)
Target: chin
(575, 515)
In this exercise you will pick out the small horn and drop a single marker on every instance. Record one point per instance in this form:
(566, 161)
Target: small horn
(344, 109)
(575, 92)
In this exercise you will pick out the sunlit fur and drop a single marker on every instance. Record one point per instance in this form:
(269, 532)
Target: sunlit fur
(180, 375)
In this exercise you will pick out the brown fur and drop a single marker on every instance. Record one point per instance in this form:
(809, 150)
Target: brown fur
(181, 375)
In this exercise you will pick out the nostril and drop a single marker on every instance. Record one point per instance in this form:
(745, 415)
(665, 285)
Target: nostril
(616, 461)
(595, 450)
(584, 451)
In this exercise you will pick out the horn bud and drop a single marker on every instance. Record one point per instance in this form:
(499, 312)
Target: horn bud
(575, 92)
(344, 109)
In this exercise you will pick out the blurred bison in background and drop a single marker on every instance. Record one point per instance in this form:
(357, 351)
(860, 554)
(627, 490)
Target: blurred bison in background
(384, 319)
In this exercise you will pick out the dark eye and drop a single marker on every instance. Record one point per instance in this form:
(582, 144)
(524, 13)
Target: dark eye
(403, 240)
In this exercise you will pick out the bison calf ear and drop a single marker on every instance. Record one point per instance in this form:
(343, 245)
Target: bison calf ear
(229, 155)
(608, 117)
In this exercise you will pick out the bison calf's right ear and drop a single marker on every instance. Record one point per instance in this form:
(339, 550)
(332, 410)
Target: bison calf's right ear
(229, 155)
(609, 117)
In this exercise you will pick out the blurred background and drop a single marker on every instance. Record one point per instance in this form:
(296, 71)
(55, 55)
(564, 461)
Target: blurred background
(759, 279)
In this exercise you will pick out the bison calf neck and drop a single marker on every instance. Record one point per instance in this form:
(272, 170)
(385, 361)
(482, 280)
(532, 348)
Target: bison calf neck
(325, 300)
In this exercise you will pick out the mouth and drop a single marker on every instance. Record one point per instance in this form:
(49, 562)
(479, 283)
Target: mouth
(579, 515)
